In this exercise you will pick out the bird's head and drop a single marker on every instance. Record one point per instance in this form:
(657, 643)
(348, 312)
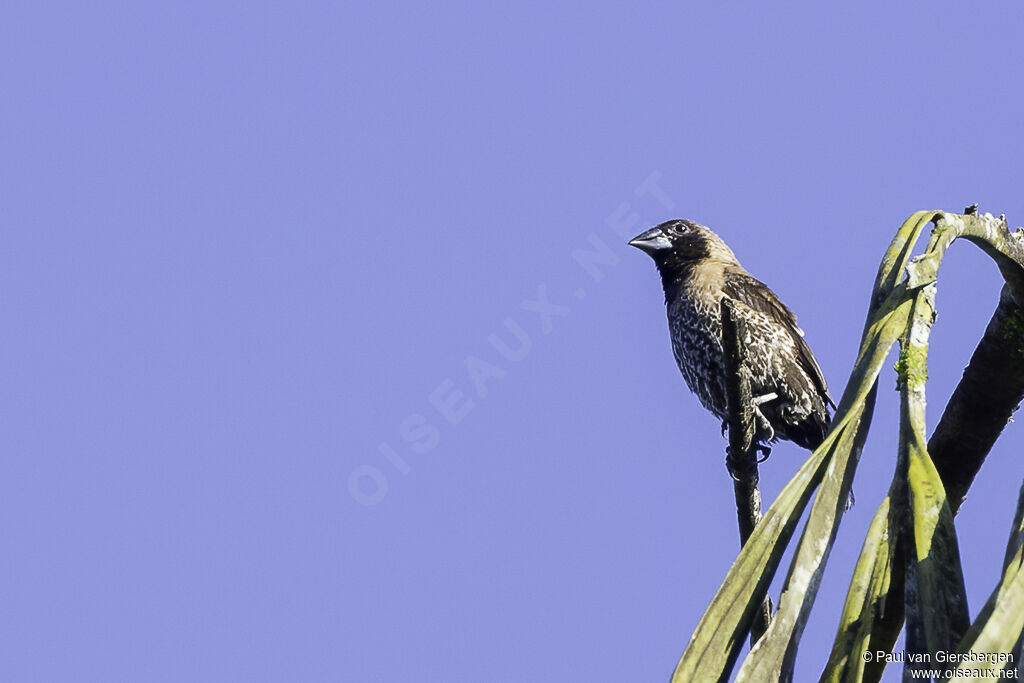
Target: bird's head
(681, 243)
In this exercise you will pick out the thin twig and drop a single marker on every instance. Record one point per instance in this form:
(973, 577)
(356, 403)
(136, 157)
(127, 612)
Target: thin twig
(741, 458)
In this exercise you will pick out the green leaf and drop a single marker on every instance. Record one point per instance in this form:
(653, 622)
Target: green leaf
(1000, 624)
(936, 598)
(865, 602)
(874, 610)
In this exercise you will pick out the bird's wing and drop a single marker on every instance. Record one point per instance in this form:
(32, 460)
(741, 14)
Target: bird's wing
(743, 287)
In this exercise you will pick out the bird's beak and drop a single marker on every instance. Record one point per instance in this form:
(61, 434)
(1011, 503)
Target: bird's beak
(651, 241)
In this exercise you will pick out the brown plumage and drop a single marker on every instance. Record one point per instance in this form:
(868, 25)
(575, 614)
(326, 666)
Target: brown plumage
(697, 270)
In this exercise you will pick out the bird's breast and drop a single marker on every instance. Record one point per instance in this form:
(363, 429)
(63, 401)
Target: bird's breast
(696, 329)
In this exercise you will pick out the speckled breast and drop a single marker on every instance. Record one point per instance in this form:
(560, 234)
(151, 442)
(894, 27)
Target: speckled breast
(696, 343)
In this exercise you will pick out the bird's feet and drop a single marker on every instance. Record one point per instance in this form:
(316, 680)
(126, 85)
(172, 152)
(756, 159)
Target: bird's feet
(745, 470)
(735, 469)
(764, 427)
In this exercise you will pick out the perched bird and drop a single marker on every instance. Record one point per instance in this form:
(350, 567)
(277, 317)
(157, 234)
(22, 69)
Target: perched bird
(697, 270)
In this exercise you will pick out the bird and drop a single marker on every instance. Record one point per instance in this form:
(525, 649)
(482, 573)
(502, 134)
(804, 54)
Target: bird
(697, 268)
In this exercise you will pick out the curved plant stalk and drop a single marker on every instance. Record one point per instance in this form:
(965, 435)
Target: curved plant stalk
(936, 598)
(865, 599)
(983, 402)
(977, 412)
(715, 643)
(1000, 623)
(873, 613)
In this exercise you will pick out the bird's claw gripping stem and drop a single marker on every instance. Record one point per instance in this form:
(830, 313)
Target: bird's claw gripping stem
(763, 425)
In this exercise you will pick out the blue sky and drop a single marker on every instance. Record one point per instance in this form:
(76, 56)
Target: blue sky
(253, 253)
